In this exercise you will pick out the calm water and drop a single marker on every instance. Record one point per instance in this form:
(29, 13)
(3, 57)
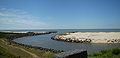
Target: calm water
(46, 41)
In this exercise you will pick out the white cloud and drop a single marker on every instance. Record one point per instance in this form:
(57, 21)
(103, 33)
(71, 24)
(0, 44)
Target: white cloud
(17, 19)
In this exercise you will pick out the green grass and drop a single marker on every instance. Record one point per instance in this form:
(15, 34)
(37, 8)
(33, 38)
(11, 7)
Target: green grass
(11, 50)
(112, 53)
(41, 53)
(5, 54)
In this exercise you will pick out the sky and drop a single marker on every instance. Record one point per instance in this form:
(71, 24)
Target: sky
(59, 14)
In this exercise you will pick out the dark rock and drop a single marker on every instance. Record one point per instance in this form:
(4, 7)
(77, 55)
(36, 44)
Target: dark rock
(72, 54)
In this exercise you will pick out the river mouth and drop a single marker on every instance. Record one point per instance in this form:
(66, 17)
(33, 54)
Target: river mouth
(45, 41)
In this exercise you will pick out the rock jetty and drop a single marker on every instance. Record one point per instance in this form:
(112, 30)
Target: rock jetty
(89, 37)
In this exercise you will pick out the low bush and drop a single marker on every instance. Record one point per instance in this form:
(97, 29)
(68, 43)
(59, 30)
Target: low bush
(116, 51)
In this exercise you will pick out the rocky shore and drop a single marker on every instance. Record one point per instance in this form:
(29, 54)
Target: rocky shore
(36, 47)
(89, 37)
(15, 35)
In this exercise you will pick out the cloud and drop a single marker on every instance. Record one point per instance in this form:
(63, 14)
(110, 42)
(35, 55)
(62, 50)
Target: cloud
(18, 19)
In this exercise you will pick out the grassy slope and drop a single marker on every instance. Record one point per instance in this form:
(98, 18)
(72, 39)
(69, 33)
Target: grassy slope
(12, 50)
(113, 53)
(9, 51)
(5, 54)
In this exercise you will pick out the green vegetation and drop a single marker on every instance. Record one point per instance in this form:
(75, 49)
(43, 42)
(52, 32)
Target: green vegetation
(8, 50)
(112, 53)
(5, 54)
(2, 35)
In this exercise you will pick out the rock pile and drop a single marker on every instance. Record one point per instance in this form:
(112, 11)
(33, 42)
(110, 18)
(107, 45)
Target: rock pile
(89, 37)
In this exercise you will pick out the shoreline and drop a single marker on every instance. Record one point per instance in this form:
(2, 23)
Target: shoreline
(89, 37)
(12, 43)
(15, 35)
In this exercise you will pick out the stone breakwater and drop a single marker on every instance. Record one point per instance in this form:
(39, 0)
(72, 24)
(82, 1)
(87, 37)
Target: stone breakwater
(89, 37)
(36, 47)
(15, 35)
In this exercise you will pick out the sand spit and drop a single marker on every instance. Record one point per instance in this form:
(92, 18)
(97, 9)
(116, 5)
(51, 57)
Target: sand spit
(90, 37)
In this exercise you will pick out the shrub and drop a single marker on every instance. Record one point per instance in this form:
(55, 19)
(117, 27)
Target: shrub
(96, 54)
(2, 35)
(116, 51)
(104, 51)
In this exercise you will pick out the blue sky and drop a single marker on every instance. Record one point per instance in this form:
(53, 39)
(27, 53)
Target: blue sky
(59, 14)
